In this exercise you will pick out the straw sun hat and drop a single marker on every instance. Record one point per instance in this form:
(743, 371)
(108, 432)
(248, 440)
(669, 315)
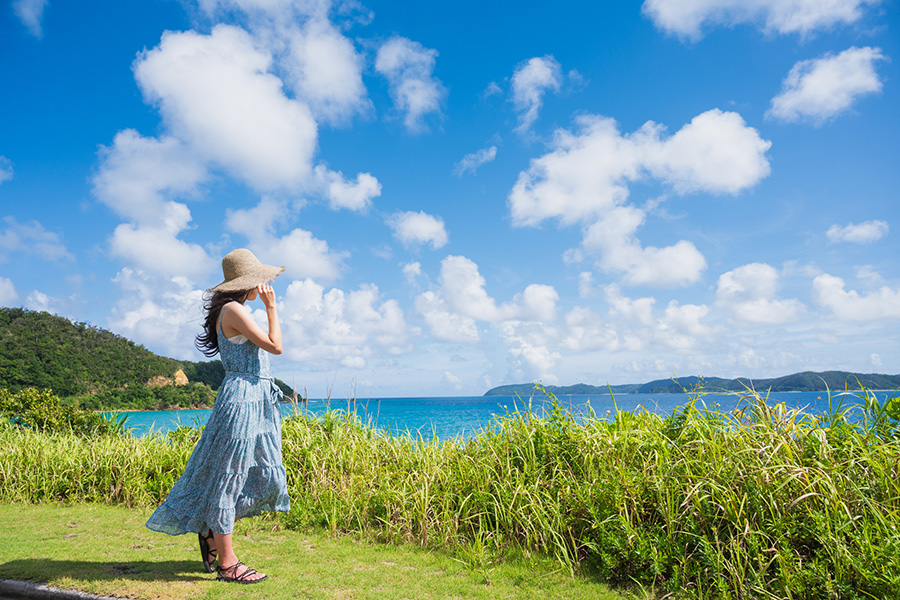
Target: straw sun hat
(243, 271)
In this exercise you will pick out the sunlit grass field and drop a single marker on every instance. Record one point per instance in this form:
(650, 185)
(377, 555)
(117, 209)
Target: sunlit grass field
(756, 502)
(106, 550)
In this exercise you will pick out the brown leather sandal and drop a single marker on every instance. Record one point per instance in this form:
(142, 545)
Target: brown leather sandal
(230, 574)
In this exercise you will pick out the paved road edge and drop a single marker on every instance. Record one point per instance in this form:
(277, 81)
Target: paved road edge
(13, 589)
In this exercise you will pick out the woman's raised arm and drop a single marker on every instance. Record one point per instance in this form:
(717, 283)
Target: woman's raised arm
(236, 318)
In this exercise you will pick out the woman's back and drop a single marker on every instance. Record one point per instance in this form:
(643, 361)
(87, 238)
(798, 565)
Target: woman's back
(240, 355)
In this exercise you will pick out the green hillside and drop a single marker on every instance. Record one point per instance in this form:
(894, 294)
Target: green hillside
(95, 368)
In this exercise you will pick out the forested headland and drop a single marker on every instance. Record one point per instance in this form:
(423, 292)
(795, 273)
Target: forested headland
(97, 369)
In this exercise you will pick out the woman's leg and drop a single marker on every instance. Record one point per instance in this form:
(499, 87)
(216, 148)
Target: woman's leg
(227, 557)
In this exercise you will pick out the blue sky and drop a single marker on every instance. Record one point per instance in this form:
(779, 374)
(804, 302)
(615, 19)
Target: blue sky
(465, 194)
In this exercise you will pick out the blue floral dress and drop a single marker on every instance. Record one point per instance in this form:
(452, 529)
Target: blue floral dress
(236, 469)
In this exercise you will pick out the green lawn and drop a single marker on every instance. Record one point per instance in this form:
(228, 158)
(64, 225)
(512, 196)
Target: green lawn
(107, 550)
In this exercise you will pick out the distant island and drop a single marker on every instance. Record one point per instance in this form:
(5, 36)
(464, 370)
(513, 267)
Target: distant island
(806, 381)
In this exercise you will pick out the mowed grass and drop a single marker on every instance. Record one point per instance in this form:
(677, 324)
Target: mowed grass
(107, 550)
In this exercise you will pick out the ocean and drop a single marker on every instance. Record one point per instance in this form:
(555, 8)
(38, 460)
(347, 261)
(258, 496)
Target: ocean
(464, 416)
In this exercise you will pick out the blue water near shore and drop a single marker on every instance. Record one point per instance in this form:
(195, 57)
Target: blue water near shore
(453, 417)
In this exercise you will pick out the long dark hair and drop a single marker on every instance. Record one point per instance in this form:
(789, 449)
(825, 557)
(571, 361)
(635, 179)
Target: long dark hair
(208, 341)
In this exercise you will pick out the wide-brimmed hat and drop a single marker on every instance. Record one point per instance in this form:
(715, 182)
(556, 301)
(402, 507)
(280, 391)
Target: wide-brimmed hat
(243, 271)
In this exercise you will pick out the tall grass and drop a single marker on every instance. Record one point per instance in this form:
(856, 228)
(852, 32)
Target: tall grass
(760, 501)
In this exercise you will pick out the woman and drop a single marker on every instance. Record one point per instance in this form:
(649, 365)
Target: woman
(236, 468)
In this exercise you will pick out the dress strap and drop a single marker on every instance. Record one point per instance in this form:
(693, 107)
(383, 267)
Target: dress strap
(221, 310)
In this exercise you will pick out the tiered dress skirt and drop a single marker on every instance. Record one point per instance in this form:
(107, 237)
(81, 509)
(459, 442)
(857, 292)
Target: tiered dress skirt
(236, 469)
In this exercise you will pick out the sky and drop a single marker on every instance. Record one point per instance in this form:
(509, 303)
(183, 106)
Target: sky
(465, 194)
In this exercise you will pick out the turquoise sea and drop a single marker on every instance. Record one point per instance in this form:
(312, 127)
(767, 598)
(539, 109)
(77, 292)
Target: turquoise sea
(449, 417)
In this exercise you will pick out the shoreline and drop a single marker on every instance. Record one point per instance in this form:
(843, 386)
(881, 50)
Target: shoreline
(171, 408)
(168, 409)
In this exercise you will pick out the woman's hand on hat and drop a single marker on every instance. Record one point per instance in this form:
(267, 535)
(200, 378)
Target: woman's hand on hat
(266, 294)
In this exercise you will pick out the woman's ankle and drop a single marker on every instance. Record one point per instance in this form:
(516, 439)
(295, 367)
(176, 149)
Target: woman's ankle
(226, 562)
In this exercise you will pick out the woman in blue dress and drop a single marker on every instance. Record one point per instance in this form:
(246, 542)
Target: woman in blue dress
(236, 469)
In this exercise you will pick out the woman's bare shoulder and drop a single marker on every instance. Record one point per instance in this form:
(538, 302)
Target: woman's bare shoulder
(234, 305)
(234, 310)
(231, 312)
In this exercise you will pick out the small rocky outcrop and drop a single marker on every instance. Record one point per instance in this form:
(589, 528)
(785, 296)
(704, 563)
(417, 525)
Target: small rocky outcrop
(159, 380)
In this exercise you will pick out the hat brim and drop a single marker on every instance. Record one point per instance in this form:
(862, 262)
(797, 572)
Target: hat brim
(248, 281)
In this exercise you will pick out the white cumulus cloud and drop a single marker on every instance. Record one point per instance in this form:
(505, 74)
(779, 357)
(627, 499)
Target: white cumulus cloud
(8, 293)
(223, 108)
(412, 271)
(337, 328)
(586, 331)
(682, 328)
(620, 251)
(164, 313)
(689, 18)
(716, 152)
(352, 195)
(156, 248)
(586, 176)
(828, 292)
(216, 93)
(138, 174)
(635, 326)
(861, 233)
(528, 346)
(418, 228)
(470, 162)
(31, 238)
(303, 255)
(299, 251)
(319, 64)
(538, 303)
(446, 325)
(748, 293)
(639, 310)
(409, 68)
(137, 179)
(820, 89)
(530, 82)
(462, 286)
(453, 310)
(587, 171)
(869, 275)
(40, 301)
(31, 13)
(325, 70)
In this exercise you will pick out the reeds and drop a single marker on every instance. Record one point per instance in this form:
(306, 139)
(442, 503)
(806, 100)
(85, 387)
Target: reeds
(756, 502)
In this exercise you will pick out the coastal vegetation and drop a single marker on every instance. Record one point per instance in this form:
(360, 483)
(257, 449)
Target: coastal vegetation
(760, 501)
(95, 369)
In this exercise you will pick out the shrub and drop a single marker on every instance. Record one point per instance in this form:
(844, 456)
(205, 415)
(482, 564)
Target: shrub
(41, 410)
